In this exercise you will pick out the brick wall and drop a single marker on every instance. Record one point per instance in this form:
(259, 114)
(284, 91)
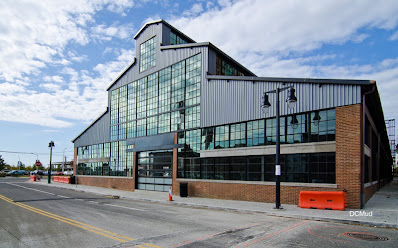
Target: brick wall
(348, 152)
(126, 184)
(246, 192)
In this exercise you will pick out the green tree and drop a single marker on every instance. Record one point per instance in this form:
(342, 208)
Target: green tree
(2, 163)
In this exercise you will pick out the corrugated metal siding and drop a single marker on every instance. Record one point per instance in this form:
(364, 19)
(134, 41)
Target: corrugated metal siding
(224, 101)
(98, 133)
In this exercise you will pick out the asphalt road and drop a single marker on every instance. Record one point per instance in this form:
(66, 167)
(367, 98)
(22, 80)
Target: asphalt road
(40, 216)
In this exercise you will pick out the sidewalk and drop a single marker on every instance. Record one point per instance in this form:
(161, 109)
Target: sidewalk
(382, 206)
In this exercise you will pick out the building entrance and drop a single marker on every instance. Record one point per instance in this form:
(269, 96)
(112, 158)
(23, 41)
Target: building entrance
(155, 170)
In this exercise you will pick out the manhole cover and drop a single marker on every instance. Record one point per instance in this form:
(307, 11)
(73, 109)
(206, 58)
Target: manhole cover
(365, 236)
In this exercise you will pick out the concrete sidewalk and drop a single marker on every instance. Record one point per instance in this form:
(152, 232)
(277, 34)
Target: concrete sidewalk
(381, 210)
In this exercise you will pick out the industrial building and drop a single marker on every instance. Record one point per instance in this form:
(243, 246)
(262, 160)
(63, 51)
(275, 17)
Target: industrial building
(186, 112)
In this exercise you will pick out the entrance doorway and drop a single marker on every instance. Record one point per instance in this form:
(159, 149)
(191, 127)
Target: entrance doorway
(155, 170)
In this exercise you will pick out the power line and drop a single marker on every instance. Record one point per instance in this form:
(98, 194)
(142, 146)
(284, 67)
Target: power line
(34, 153)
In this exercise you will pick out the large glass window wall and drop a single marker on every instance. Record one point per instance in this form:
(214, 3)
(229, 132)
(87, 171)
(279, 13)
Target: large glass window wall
(298, 128)
(148, 54)
(300, 168)
(97, 151)
(161, 102)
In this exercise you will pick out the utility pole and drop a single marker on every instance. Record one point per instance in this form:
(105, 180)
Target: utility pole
(51, 145)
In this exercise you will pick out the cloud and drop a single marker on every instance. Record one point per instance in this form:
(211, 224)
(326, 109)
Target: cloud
(275, 27)
(195, 10)
(39, 84)
(394, 36)
(102, 32)
(35, 33)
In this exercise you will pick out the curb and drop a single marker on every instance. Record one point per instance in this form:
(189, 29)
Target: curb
(268, 213)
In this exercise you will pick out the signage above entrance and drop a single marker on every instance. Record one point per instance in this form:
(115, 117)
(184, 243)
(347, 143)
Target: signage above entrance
(163, 141)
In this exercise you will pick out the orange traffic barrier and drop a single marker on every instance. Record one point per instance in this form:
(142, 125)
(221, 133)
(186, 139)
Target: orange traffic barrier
(170, 195)
(33, 178)
(333, 200)
(62, 179)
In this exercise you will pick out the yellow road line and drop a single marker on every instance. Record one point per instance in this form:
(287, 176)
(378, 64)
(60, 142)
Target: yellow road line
(93, 229)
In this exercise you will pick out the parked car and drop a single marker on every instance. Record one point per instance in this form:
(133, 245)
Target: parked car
(68, 173)
(38, 172)
(5, 171)
(17, 172)
(58, 173)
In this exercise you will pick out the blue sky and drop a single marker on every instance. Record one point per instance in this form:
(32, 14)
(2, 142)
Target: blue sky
(58, 57)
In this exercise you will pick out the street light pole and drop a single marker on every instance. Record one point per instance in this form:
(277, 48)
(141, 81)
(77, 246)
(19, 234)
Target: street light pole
(265, 105)
(51, 145)
(63, 160)
(278, 153)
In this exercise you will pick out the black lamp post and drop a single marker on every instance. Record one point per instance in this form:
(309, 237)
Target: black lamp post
(265, 106)
(51, 145)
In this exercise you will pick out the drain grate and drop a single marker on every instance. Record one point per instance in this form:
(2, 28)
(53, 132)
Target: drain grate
(365, 236)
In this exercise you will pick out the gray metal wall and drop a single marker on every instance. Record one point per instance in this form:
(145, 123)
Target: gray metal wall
(97, 133)
(224, 101)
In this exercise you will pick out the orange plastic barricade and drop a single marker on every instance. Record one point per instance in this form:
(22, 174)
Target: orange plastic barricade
(33, 178)
(333, 200)
(56, 179)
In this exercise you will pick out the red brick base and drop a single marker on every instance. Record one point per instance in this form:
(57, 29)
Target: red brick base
(126, 184)
(246, 192)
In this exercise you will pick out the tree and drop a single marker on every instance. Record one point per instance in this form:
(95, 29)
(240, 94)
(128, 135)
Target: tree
(2, 163)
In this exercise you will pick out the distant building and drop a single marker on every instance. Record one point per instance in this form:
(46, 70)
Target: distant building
(65, 166)
(187, 112)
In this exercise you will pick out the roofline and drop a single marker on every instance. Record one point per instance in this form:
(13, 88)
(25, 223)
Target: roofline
(145, 25)
(292, 80)
(106, 111)
(167, 24)
(121, 74)
(208, 44)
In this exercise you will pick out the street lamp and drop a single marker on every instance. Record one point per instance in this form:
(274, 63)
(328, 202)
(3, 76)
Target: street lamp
(51, 145)
(316, 119)
(265, 106)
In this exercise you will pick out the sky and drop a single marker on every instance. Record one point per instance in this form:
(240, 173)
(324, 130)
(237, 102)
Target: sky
(58, 57)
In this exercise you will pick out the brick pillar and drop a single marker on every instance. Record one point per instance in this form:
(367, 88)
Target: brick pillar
(135, 169)
(348, 152)
(175, 187)
(75, 161)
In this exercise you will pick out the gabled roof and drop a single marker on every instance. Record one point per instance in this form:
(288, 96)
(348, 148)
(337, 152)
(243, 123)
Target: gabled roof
(73, 141)
(167, 24)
